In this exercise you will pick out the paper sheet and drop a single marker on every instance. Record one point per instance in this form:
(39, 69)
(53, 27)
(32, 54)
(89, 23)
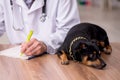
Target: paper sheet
(14, 53)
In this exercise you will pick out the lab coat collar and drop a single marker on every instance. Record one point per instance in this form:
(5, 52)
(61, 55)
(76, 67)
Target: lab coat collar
(36, 5)
(20, 3)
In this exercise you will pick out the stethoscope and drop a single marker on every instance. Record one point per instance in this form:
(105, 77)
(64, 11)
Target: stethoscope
(42, 18)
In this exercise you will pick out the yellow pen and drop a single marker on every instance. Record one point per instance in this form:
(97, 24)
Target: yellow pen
(28, 38)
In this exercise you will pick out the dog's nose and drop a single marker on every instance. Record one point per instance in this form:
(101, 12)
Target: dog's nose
(103, 64)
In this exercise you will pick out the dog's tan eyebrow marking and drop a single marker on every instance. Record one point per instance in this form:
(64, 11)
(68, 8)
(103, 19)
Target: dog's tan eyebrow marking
(94, 52)
(102, 43)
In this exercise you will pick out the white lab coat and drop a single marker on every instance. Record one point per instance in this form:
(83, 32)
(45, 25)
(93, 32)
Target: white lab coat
(61, 16)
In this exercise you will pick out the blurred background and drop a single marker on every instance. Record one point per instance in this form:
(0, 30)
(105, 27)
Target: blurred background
(105, 13)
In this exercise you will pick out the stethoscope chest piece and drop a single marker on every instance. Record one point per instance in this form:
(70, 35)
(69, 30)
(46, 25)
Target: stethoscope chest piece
(43, 17)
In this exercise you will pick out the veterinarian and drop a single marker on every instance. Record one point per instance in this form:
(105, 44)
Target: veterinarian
(49, 19)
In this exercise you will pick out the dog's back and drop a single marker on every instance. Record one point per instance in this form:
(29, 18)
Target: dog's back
(87, 30)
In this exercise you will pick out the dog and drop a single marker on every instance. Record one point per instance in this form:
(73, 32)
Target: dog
(85, 42)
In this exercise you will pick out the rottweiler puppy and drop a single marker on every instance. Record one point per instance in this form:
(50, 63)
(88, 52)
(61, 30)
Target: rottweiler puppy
(85, 42)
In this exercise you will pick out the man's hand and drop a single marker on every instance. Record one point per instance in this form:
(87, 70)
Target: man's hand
(33, 47)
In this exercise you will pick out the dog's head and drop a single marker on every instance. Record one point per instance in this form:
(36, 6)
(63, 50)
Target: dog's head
(89, 54)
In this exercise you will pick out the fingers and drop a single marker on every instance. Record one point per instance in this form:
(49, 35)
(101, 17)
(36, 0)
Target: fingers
(34, 47)
(26, 45)
(23, 47)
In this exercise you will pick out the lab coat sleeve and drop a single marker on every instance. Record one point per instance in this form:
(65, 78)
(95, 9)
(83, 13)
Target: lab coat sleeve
(67, 16)
(2, 23)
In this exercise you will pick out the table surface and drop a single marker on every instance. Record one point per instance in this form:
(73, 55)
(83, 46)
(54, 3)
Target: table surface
(48, 67)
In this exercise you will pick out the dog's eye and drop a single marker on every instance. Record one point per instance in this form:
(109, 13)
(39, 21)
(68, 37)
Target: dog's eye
(92, 57)
(85, 48)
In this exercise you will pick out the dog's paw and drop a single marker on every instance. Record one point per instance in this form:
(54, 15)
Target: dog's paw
(108, 50)
(66, 62)
(64, 58)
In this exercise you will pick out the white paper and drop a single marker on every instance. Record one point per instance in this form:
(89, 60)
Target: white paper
(14, 53)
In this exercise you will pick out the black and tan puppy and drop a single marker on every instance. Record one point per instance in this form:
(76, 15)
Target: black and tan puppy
(84, 43)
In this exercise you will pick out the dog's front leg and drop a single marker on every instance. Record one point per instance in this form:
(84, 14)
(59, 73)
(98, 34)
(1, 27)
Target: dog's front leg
(63, 57)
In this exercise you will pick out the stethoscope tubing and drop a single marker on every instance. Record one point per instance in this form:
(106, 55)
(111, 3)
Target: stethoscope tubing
(42, 18)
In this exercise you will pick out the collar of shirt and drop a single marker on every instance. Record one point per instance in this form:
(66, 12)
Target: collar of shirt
(29, 3)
